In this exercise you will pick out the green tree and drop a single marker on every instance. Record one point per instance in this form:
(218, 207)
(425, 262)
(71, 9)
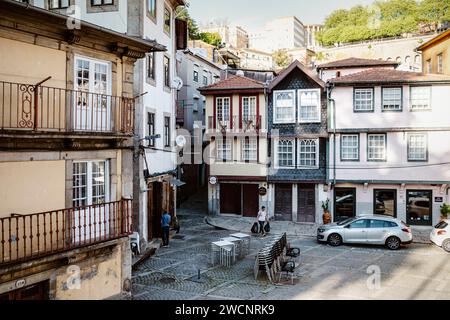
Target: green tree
(434, 11)
(281, 58)
(212, 38)
(193, 30)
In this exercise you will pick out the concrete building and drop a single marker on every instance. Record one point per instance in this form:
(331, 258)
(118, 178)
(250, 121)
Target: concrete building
(401, 50)
(297, 114)
(436, 54)
(232, 36)
(254, 60)
(304, 55)
(386, 150)
(237, 150)
(311, 31)
(66, 156)
(281, 33)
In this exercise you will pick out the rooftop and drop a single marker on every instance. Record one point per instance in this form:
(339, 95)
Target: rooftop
(296, 64)
(234, 83)
(357, 62)
(444, 35)
(389, 76)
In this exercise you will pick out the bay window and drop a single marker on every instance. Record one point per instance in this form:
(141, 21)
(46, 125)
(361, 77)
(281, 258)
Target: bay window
(284, 107)
(309, 105)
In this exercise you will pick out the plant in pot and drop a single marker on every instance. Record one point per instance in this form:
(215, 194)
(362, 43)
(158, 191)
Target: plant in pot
(326, 212)
(445, 211)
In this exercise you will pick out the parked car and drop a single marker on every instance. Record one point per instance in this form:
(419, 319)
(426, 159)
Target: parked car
(440, 235)
(376, 229)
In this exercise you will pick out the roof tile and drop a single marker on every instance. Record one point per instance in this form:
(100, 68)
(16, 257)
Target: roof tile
(234, 82)
(357, 62)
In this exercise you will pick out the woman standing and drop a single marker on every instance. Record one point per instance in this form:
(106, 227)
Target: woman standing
(262, 219)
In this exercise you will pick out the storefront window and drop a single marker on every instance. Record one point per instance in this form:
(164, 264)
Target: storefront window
(344, 203)
(418, 209)
(385, 202)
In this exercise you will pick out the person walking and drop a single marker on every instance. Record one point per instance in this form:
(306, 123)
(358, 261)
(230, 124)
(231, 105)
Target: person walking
(262, 219)
(165, 224)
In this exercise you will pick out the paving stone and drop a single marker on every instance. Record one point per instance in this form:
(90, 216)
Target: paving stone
(240, 291)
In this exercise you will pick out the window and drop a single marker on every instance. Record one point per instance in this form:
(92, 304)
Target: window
(350, 147)
(58, 4)
(167, 20)
(429, 66)
(392, 99)
(151, 65)
(166, 132)
(419, 204)
(151, 8)
(249, 149)
(224, 149)
(309, 110)
(440, 67)
(151, 127)
(248, 109)
(101, 2)
(376, 147)
(344, 203)
(284, 107)
(90, 183)
(417, 147)
(363, 99)
(308, 153)
(359, 224)
(195, 76)
(166, 71)
(285, 154)
(223, 111)
(420, 98)
(385, 202)
(205, 80)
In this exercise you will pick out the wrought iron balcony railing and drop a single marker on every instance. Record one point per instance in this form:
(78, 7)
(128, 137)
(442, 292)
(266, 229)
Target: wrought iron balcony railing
(27, 107)
(235, 124)
(25, 237)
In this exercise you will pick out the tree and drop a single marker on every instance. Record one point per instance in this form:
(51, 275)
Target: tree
(282, 58)
(434, 11)
(193, 30)
(212, 38)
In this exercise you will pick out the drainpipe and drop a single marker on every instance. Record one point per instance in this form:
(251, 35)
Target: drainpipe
(332, 104)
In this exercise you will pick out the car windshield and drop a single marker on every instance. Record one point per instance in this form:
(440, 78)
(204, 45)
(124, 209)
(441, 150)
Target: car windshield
(341, 223)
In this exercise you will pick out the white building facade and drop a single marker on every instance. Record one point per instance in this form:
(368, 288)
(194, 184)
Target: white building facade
(388, 150)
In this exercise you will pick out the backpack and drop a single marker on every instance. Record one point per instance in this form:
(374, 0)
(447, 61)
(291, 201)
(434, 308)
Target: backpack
(267, 227)
(255, 228)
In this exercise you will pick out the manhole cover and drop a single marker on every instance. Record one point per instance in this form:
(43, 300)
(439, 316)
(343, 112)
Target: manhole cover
(167, 280)
(178, 237)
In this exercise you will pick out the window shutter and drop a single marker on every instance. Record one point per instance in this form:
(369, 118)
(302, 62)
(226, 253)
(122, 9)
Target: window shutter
(181, 31)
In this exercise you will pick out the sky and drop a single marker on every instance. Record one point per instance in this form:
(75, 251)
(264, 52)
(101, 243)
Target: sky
(252, 14)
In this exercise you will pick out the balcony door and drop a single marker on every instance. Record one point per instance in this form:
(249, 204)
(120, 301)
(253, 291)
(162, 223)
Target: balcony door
(92, 100)
(223, 117)
(90, 192)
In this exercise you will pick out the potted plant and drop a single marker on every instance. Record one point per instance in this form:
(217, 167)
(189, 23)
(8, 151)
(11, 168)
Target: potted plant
(326, 212)
(445, 211)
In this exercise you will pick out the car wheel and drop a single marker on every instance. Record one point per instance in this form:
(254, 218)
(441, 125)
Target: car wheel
(446, 245)
(334, 240)
(393, 243)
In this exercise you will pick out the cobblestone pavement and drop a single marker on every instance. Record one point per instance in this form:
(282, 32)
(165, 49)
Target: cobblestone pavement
(417, 271)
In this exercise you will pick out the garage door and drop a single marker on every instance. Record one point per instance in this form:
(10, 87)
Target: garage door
(306, 211)
(230, 198)
(283, 202)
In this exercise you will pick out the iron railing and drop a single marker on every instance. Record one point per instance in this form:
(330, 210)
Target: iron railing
(235, 124)
(28, 107)
(25, 237)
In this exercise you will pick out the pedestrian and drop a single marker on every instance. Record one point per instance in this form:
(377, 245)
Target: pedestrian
(262, 219)
(165, 224)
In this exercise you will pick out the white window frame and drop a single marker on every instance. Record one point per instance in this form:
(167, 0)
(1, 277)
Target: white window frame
(89, 178)
(226, 122)
(250, 113)
(343, 158)
(355, 100)
(425, 136)
(251, 148)
(369, 146)
(299, 153)
(418, 106)
(92, 63)
(383, 109)
(277, 158)
(440, 63)
(299, 106)
(275, 101)
(227, 151)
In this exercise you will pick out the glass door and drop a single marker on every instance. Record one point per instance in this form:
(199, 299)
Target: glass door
(344, 203)
(419, 207)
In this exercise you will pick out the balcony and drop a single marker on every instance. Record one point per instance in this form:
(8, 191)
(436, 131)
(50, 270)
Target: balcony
(236, 124)
(26, 237)
(26, 108)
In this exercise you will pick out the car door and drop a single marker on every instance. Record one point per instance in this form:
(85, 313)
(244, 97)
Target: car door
(377, 231)
(356, 232)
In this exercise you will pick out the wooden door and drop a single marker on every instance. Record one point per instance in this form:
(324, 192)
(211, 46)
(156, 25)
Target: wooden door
(230, 198)
(154, 210)
(283, 202)
(306, 210)
(38, 291)
(250, 200)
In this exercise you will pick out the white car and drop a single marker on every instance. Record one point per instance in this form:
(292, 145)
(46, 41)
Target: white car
(374, 229)
(440, 235)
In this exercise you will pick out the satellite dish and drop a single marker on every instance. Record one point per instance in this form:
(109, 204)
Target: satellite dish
(240, 73)
(177, 83)
(180, 141)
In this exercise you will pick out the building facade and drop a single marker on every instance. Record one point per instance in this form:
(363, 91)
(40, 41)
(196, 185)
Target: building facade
(436, 54)
(232, 36)
(281, 33)
(297, 114)
(237, 150)
(254, 60)
(311, 31)
(66, 154)
(387, 151)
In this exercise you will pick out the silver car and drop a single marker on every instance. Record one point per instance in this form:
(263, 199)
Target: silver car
(373, 229)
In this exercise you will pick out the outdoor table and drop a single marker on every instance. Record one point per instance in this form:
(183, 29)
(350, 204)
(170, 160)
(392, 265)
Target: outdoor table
(246, 238)
(239, 245)
(224, 251)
